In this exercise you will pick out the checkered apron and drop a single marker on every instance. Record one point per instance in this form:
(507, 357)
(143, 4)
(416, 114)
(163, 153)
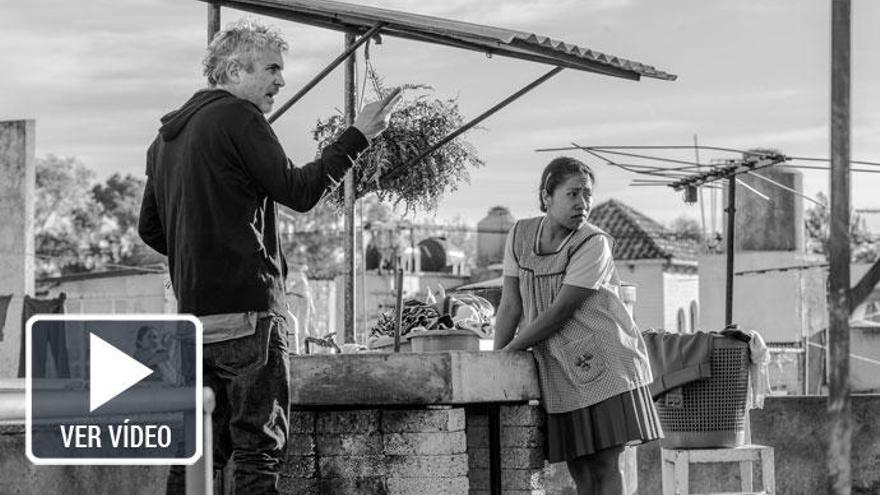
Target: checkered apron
(599, 352)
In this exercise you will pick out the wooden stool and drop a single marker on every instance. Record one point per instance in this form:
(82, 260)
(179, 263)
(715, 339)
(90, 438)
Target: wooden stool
(676, 464)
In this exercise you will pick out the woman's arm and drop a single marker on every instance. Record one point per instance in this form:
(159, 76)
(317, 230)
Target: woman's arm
(550, 321)
(509, 312)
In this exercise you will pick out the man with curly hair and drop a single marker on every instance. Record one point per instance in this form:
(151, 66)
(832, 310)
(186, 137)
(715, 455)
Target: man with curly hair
(214, 174)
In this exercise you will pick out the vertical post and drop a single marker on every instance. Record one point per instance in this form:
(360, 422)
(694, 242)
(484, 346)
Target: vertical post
(17, 185)
(200, 476)
(839, 445)
(495, 486)
(350, 264)
(213, 20)
(398, 301)
(731, 235)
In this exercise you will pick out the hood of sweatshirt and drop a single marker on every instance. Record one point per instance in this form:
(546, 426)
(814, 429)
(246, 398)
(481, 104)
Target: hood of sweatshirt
(174, 122)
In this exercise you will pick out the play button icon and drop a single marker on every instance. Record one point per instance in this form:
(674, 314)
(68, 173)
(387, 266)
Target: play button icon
(111, 372)
(113, 389)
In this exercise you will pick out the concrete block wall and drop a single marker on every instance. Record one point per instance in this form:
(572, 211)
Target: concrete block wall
(522, 450)
(797, 428)
(18, 476)
(373, 451)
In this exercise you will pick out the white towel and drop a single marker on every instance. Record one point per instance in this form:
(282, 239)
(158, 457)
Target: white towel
(759, 373)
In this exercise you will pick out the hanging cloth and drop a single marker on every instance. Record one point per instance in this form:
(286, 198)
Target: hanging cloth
(43, 340)
(4, 306)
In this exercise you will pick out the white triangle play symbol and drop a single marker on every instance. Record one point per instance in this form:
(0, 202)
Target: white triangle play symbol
(112, 372)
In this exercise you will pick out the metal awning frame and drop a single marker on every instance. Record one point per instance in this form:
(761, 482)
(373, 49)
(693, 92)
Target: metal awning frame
(372, 23)
(516, 48)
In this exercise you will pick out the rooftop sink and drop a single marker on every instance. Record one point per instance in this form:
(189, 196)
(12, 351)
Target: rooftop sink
(452, 377)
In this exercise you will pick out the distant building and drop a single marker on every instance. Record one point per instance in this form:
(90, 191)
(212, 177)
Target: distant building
(778, 288)
(662, 267)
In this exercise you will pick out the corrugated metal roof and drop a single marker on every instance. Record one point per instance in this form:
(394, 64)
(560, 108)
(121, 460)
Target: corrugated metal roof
(488, 39)
(637, 237)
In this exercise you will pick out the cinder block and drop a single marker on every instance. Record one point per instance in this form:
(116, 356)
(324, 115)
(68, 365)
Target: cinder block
(368, 485)
(511, 458)
(522, 479)
(436, 443)
(478, 457)
(300, 444)
(300, 466)
(522, 415)
(349, 422)
(522, 436)
(511, 436)
(527, 480)
(302, 421)
(428, 486)
(478, 479)
(427, 466)
(349, 444)
(477, 436)
(299, 486)
(422, 420)
(476, 417)
(352, 466)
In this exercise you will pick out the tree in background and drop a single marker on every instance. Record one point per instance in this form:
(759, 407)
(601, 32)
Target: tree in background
(81, 226)
(687, 228)
(817, 221)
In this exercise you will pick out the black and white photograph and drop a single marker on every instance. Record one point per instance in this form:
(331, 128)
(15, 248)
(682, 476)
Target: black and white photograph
(568, 247)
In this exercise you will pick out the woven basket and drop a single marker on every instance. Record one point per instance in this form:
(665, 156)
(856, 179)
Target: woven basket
(711, 412)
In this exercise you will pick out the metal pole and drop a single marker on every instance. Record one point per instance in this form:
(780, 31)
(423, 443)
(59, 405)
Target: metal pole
(349, 50)
(702, 203)
(398, 300)
(494, 410)
(731, 235)
(213, 20)
(200, 476)
(350, 268)
(840, 433)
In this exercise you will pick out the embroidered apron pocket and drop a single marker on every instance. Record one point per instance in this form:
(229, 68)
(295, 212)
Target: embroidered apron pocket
(583, 360)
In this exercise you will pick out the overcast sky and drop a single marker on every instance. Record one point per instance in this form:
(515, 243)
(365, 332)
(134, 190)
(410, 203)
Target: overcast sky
(97, 75)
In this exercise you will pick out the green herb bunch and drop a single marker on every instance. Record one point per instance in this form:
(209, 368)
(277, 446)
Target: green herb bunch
(417, 123)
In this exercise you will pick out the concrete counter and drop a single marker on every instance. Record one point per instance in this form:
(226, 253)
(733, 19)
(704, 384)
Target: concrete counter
(434, 378)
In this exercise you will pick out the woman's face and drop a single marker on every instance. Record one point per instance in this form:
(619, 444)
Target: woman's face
(149, 340)
(570, 203)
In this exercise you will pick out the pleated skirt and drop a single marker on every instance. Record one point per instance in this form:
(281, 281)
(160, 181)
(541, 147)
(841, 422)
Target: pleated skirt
(626, 419)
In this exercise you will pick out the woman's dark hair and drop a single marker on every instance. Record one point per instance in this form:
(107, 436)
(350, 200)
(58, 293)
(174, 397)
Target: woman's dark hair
(557, 172)
(141, 331)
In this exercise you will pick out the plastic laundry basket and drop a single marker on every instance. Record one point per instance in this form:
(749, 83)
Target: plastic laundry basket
(711, 411)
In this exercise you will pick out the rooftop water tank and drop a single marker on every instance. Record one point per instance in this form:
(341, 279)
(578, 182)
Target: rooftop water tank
(492, 234)
(439, 255)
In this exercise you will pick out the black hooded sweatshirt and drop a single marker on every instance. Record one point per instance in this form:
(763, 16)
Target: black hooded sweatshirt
(214, 174)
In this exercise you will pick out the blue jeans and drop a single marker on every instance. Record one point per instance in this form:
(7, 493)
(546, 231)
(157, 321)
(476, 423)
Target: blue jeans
(250, 377)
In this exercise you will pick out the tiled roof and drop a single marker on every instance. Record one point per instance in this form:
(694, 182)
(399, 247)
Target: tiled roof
(352, 17)
(638, 237)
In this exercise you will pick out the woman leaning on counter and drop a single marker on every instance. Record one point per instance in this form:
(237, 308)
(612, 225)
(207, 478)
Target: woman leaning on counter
(561, 298)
